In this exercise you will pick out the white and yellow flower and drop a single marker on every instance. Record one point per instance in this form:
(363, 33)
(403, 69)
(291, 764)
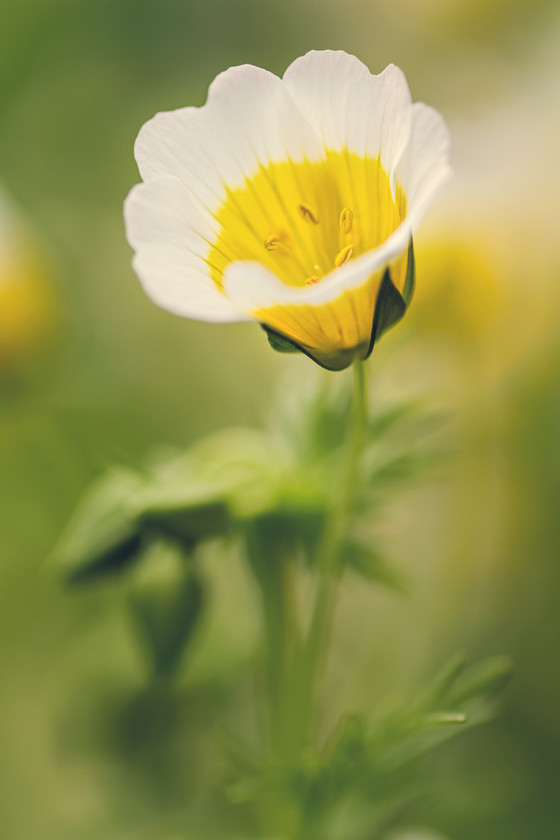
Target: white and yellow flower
(289, 201)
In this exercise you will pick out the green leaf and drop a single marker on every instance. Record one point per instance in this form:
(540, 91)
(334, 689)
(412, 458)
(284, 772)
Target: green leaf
(385, 420)
(437, 719)
(166, 598)
(439, 689)
(102, 535)
(389, 467)
(187, 517)
(484, 680)
(312, 415)
(364, 559)
(348, 742)
(289, 526)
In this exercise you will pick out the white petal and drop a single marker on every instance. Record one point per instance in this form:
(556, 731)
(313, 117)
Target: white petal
(162, 211)
(424, 166)
(252, 286)
(350, 107)
(175, 280)
(249, 118)
(170, 144)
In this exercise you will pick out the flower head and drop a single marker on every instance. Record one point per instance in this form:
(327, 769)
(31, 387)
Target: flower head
(289, 201)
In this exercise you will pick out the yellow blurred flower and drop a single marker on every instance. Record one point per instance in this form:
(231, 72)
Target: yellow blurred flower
(461, 285)
(27, 314)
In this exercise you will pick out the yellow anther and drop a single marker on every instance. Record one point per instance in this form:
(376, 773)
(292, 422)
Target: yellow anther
(346, 220)
(307, 214)
(343, 256)
(313, 279)
(273, 242)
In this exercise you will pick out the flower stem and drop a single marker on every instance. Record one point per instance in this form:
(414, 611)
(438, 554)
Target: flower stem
(272, 568)
(315, 650)
(294, 665)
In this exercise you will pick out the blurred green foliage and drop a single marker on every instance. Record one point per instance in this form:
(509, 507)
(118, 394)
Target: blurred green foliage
(89, 749)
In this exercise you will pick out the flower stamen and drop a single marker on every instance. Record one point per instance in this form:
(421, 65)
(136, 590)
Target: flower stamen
(307, 214)
(273, 242)
(313, 279)
(346, 221)
(343, 256)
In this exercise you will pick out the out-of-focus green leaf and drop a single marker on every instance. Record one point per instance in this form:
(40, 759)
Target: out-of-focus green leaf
(437, 692)
(347, 746)
(166, 599)
(363, 558)
(484, 680)
(191, 513)
(102, 535)
(437, 719)
(415, 834)
(311, 417)
(293, 525)
(409, 733)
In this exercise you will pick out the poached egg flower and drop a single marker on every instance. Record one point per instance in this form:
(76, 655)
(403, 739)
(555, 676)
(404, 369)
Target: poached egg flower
(289, 201)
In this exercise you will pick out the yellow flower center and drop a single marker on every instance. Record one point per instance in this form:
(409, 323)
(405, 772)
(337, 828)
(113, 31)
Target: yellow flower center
(302, 220)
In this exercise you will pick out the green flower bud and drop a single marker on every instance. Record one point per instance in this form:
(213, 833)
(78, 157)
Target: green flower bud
(166, 599)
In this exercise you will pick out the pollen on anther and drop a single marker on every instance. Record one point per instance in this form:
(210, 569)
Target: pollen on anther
(273, 242)
(343, 256)
(307, 214)
(313, 279)
(346, 220)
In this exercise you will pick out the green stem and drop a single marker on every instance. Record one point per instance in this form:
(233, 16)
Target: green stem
(272, 568)
(294, 667)
(314, 654)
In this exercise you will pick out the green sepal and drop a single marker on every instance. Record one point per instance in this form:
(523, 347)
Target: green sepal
(389, 308)
(410, 279)
(339, 360)
(166, 598)
(102, 535)
(280, 343)
(391, 304)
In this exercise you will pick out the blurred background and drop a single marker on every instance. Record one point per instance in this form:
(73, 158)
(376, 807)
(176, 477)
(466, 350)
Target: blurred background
(92, 373)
